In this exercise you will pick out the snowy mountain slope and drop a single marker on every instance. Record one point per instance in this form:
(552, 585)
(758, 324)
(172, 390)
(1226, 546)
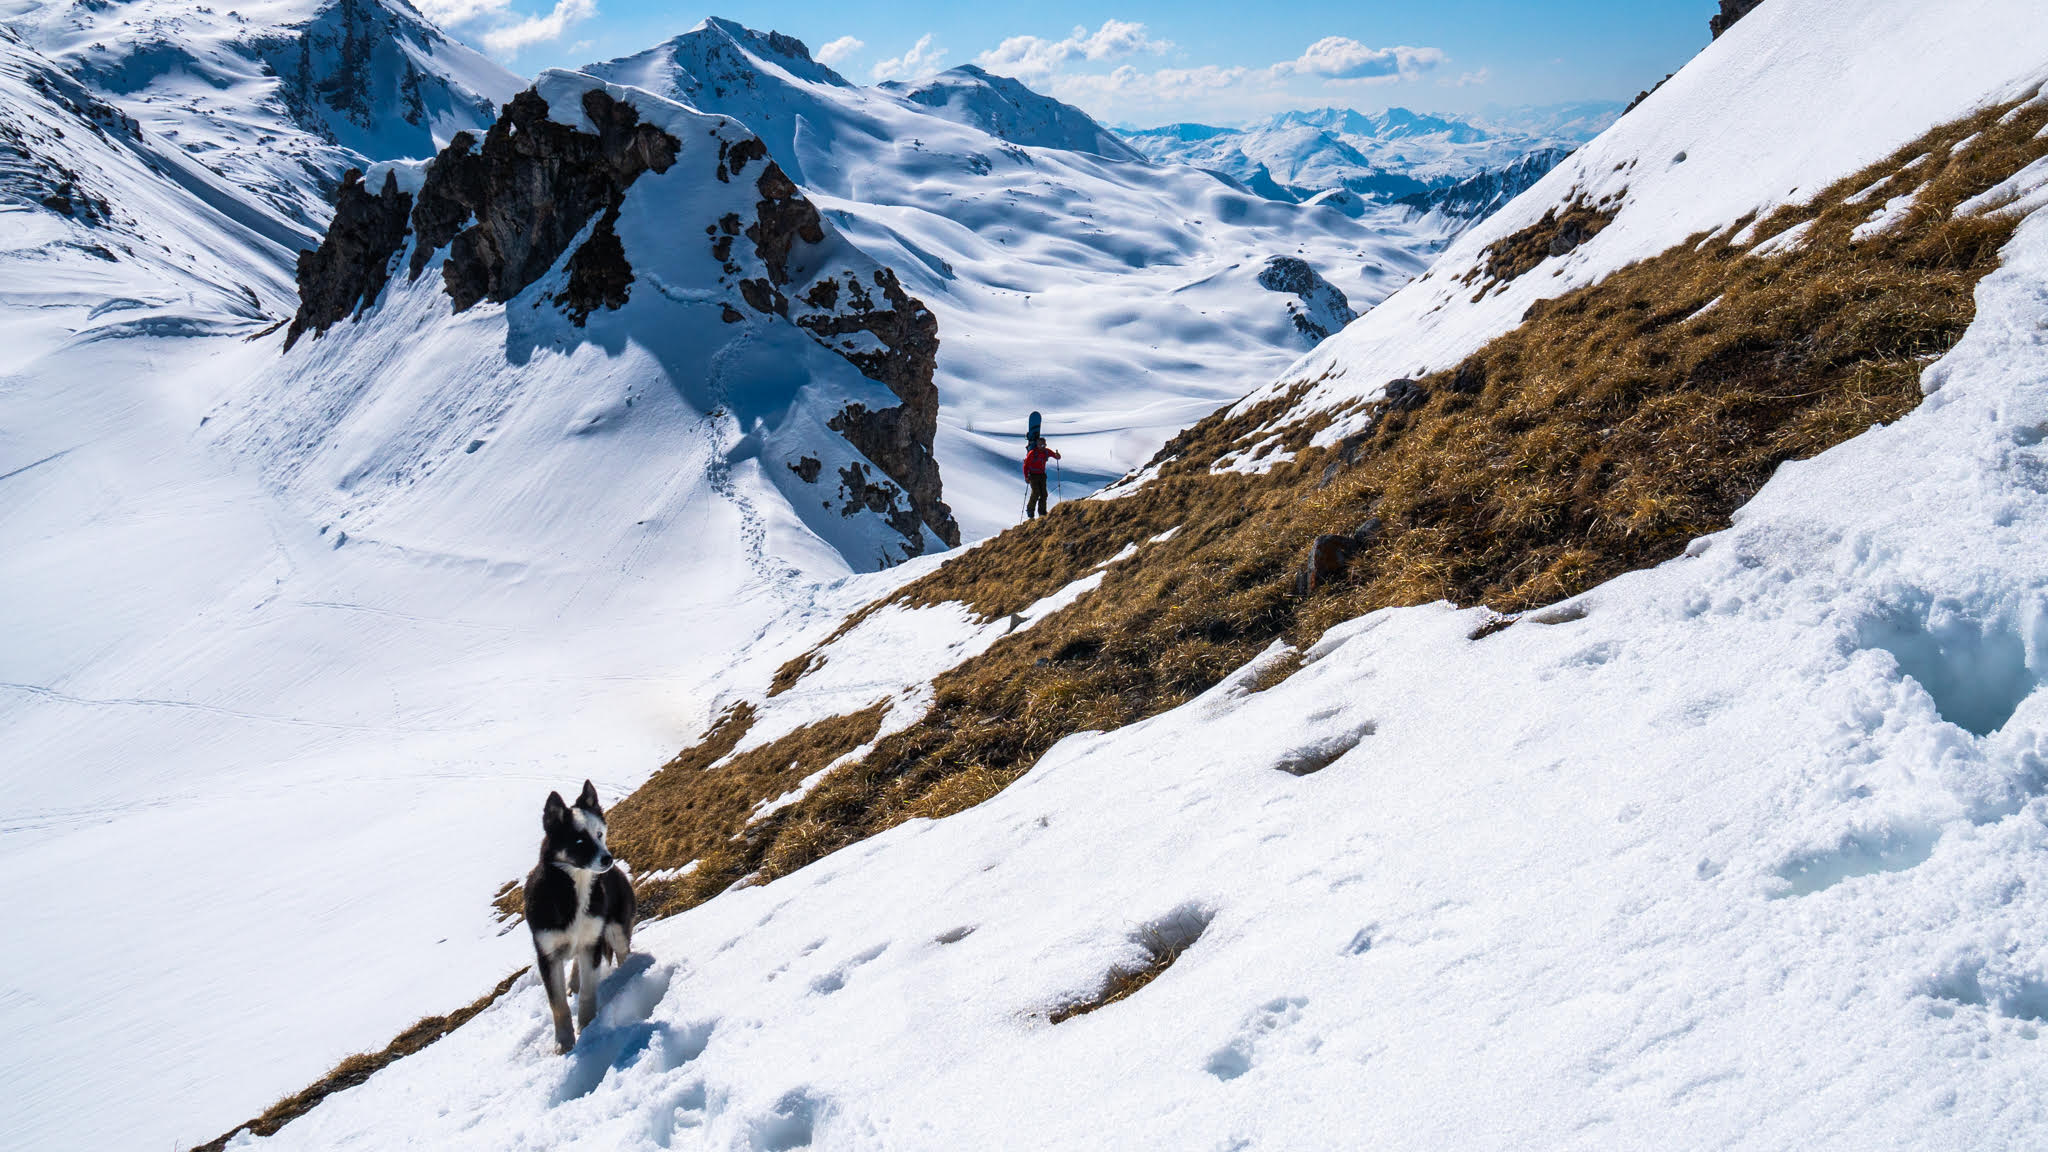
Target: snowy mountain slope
(1119, 298)
(1740, 850)
(278, 97)
(1382, 156)
(352, 602)
(284, 643)
(110, 230)
(287, 707)
(1725, 137)
(697, 270)
(1008, 110)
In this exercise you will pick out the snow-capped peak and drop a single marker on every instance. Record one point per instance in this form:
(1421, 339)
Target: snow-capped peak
(1009, 110)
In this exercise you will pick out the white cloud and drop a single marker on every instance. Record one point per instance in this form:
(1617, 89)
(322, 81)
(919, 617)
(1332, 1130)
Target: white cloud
(1468, 79)
(1340, 58)
(839, 49)
(510, 39)
(1034, 57)
(452, 12)
(922, 60)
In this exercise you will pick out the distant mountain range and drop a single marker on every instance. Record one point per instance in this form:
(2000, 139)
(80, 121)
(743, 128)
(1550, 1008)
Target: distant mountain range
(1392, 155)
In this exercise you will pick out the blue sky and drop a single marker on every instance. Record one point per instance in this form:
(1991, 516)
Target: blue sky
(1148, 62)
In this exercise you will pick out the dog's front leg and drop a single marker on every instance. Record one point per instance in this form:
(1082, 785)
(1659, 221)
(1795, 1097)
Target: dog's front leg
(586, 991)
(558, 1004)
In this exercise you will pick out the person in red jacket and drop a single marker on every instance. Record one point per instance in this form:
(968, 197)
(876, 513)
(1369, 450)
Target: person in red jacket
(1034, 475)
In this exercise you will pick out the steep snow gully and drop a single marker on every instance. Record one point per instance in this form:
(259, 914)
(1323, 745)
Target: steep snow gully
(1748, 849)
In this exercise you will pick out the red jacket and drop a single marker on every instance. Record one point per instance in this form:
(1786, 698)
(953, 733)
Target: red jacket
(1034, 460)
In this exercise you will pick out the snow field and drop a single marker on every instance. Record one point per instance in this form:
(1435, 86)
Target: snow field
(1710, 856)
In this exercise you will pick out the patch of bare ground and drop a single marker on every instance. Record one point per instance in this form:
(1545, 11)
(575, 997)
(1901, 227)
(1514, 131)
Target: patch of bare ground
(704, 807)
(360, 1067)
(1554, 235)
(1160, 943)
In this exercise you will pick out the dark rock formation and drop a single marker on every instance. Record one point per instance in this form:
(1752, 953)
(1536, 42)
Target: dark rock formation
(506, 212)
(898, 440)
(349, 269)
(529, 190)
(1320, 307)
(781, 219)
(1329, 555)
(861, 493)
(1731, 11)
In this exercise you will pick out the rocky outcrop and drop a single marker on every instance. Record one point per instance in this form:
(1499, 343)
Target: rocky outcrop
(903, 352)
(350, 268)
(1731, 11)
(527, 193)
(506, 212)
(510, 207)
(1318, 308)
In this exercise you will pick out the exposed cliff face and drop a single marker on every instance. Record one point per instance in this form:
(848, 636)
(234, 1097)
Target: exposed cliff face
(507, 209)
(903, 352)
(350, 268)
(528, 192)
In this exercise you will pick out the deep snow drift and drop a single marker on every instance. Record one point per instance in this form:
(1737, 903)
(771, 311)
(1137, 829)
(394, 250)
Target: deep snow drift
(1744, 850)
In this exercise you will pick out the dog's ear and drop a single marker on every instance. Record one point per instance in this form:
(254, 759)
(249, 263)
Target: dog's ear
(588, 800)
(555, 814)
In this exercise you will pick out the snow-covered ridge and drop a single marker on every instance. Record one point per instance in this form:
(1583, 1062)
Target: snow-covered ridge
(1006, 109)
(277, 97)
(546, 214)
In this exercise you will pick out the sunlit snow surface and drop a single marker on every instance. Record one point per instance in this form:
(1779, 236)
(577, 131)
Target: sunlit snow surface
(1750, 853)
(1748, 850)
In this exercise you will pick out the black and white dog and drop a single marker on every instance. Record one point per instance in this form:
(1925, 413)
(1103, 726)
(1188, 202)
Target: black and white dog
(579, 907)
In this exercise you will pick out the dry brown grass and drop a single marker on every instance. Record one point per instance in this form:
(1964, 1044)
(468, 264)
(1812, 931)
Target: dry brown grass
(1617, 423)
(1554, 235)
(1161, 943)
(361, 1067)
(700, 807)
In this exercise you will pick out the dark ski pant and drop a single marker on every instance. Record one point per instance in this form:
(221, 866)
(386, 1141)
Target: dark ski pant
(1036, 505)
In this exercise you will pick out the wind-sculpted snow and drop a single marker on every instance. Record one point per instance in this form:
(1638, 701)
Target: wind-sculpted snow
(1007, 110)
